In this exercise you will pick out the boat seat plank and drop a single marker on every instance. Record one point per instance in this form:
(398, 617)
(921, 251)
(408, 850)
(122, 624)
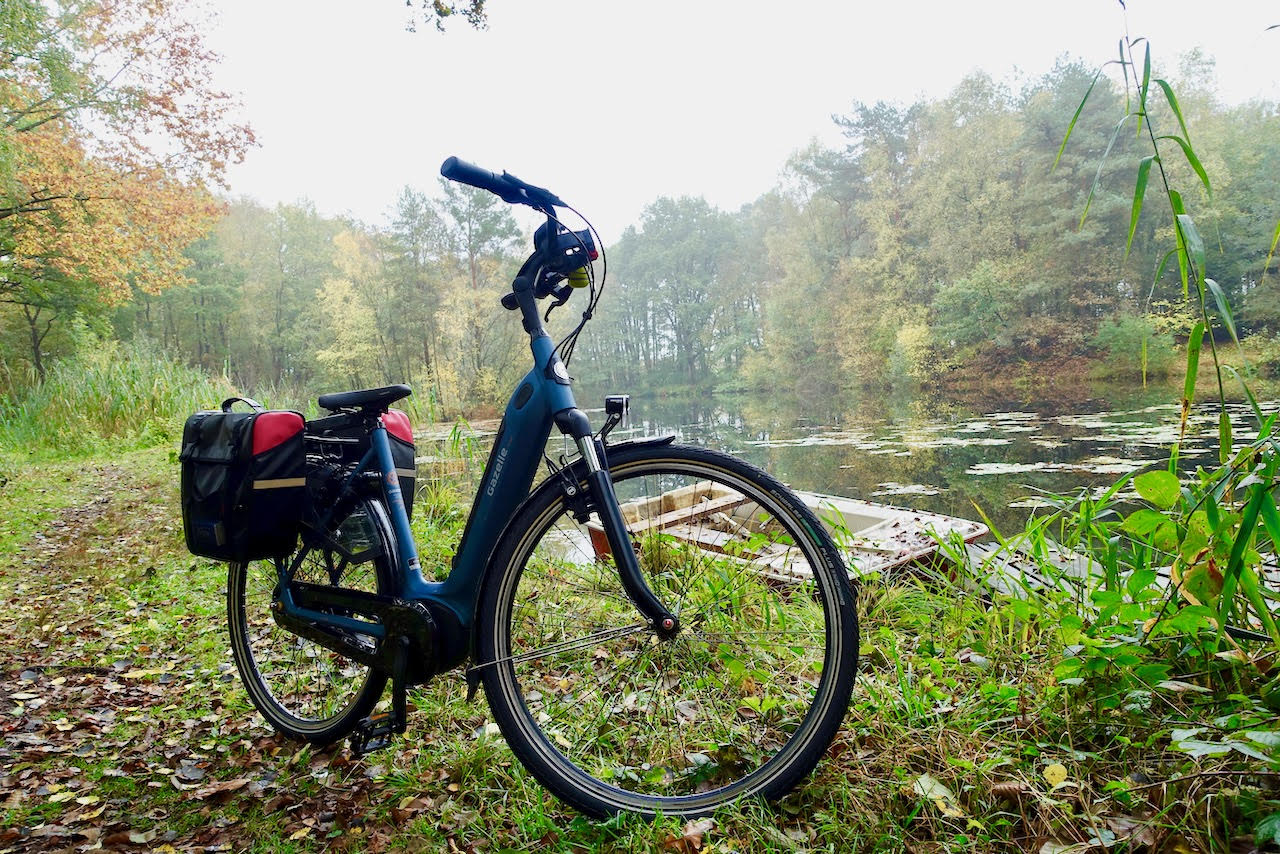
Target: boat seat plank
(685, 515)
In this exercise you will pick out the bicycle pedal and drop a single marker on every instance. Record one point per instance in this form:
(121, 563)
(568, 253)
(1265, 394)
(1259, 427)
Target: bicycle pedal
(372, 733)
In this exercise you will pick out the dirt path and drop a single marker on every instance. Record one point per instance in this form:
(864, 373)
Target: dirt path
(113, 721)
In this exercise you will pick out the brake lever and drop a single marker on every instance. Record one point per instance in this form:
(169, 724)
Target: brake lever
(561, 292)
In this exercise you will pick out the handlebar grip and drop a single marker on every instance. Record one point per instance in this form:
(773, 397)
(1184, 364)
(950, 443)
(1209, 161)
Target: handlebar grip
(468, 173)
(506, 186)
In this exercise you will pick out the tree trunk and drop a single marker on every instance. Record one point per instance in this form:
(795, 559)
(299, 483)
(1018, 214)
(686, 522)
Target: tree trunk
(37, 338)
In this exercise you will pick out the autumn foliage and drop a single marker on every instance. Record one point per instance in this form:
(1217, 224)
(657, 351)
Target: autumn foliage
(111, 134)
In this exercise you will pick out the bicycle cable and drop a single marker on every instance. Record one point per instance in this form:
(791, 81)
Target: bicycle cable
(567, 344)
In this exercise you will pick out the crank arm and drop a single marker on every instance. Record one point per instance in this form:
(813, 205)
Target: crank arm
(321, 613)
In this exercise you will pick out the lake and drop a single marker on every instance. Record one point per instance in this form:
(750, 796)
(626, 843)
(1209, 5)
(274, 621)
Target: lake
(928, 453)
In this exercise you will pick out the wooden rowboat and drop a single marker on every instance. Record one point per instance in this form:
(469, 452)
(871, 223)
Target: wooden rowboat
(874, 538)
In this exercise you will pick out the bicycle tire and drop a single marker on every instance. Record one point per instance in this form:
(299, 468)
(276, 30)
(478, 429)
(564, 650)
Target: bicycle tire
(611, 719)
(329, 694)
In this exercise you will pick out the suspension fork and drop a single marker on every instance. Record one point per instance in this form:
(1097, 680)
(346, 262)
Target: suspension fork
(574, 423)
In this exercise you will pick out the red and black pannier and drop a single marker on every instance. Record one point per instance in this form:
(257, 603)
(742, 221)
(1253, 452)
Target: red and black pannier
(345, 438)
(243, 477)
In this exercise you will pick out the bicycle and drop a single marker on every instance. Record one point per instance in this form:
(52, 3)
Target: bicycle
(657, 628)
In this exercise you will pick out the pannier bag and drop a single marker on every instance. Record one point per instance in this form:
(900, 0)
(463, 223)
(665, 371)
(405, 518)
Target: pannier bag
(403, 454)
(343, 438)
(243, 476)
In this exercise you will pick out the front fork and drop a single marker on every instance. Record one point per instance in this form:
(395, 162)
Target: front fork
(574, 423)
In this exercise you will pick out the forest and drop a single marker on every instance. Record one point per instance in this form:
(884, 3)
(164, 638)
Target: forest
(1110, 228)
(942, 246)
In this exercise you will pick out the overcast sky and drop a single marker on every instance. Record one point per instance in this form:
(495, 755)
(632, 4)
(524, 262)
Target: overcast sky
(611, 103)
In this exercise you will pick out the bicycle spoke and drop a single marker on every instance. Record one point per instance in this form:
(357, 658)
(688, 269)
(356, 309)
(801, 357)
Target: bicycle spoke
(309, 682)
(705, 708)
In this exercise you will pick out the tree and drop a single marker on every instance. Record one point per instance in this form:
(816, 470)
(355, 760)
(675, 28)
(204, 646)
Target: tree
(417, 243)
(676, 261)
(436, 13)
(110, 134)
(479, 230)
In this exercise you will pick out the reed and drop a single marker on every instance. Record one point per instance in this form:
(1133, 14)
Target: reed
(118, 397)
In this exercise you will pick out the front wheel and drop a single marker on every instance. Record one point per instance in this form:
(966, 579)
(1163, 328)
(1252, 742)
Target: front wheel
(742, 701)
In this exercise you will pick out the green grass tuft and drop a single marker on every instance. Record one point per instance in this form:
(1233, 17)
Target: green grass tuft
(117, 398)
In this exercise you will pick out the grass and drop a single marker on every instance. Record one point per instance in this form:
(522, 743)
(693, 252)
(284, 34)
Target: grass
(119, 397)
(124, 396)
(119, 712)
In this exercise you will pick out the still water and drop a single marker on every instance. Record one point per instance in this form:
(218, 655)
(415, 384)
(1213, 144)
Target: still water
(943, 456)
(929, 453)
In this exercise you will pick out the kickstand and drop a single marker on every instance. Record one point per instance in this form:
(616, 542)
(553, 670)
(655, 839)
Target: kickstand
(377, 730)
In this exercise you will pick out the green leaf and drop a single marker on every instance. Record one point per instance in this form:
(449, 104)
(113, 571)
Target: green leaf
(1152, 673)
(1165, 537)
(1248, 393)
(1237, 568)
(1113, 489)
(1097, 176)
(1196, 538)
(1175, 201)
(1271, 522)
(1124, 67)
(1268, 830)
(1159, 487)
(1143, 522)
(1224, 437)
(1190, 619)
(1224, 307)
(1190, 154)
(1194, 343)
(1199, 749)
(1252, 753)
(1146, 72)
(1173, 102)
(1275, 241)
(1267, 738)
(1074, 119)
(1139, 581)
(1139, 190)
(1202, 583)
(1193, 241)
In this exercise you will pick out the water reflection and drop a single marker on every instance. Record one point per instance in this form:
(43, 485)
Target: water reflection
(926, 453)
(937, 455)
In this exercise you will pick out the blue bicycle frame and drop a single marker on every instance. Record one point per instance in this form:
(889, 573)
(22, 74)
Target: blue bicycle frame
(542, 399)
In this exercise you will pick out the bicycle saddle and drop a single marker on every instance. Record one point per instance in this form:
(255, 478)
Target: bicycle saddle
(375, 399)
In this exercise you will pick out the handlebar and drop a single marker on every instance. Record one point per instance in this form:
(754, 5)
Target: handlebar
(506, 186)
(560, 255)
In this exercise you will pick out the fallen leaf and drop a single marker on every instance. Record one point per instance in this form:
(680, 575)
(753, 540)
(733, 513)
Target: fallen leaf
(927, 787)
(942, 797)
(220, 788)
(1055, 847)
(691, 838)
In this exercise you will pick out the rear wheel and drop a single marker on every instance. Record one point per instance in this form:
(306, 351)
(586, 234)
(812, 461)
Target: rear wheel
(747, 696)
(305, 690)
